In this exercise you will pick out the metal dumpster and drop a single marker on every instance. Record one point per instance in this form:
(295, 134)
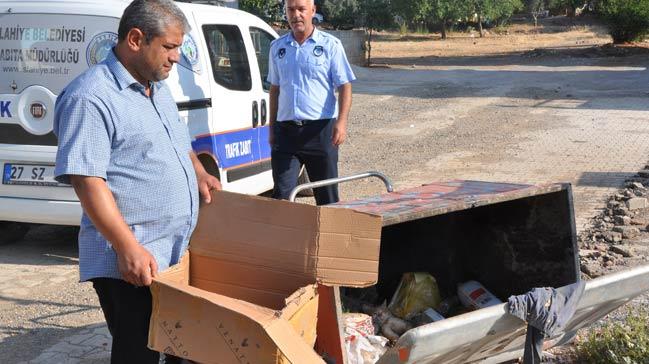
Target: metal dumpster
(509, 237)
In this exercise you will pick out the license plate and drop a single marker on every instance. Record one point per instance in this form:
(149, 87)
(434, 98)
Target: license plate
(29, 174)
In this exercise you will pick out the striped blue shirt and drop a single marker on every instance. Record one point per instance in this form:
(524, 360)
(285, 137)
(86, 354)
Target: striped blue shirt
(307, 75)
(107, 127)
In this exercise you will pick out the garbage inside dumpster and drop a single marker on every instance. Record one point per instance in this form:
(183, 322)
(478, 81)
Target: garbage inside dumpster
(416, 292)
(474, 295)
(361, 344)
(510, 238)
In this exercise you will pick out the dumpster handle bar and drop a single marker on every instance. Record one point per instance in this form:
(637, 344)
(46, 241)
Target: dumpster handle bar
(332, 181)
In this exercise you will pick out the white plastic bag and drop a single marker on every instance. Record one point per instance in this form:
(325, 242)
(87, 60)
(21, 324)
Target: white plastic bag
(361, 346)
(363, 349)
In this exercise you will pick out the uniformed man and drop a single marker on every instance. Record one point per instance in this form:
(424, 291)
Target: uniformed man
(307, 125)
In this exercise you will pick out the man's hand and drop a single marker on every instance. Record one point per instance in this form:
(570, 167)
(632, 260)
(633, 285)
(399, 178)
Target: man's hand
(136, 265)
(206, 184)
(271, 137)
(339, 133)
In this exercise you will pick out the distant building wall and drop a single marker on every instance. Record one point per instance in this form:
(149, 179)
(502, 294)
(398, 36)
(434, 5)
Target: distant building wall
(352, 40)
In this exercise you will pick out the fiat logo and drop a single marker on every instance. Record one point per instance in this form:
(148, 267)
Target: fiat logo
(37, 110)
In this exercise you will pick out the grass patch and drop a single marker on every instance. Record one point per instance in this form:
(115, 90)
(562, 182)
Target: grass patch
(625, 342)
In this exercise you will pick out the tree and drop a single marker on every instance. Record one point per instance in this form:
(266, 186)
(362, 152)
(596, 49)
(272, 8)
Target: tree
(627, 20)
(374, 15)
(412, 11)
(535, 8)
(570, 6)
(444, 12)
(500, 11)
(494, 10)
(269, 10)
(341, 14)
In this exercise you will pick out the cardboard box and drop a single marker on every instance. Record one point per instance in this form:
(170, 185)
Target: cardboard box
(246, 291)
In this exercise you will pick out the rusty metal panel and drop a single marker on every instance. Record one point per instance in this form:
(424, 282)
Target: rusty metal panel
(443, 197)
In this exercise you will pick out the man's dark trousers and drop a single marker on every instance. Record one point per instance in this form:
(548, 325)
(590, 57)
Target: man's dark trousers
(127, 310)
(309, 143)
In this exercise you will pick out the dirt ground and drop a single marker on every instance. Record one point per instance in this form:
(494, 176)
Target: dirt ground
(553, 36)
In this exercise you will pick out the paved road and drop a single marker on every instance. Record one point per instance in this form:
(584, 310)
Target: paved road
(583, 121)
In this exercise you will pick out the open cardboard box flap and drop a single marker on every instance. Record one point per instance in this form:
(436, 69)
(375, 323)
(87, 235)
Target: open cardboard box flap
(246, 291)
(290, 241)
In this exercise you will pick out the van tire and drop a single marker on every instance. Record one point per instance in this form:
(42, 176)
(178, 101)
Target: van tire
(11, 232)
(302, 179)
(210, 165)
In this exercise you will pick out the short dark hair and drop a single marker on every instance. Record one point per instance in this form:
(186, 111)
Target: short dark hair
(152, 17)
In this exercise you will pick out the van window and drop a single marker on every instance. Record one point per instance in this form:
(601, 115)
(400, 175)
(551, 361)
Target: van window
(261, 40)
(228, 56)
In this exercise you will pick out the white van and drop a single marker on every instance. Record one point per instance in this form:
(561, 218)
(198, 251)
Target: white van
(219, 85)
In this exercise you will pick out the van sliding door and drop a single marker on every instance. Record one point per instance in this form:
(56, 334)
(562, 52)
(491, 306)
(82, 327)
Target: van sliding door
(234, 139)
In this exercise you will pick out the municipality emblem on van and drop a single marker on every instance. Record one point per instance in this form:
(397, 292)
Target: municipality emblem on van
(189, 50)
(99, 47)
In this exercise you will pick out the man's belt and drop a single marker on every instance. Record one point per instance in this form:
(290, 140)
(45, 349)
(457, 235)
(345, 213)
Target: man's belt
(300, 123)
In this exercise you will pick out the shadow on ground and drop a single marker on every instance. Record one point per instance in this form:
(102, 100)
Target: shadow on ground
(603, 179)
(43, 245)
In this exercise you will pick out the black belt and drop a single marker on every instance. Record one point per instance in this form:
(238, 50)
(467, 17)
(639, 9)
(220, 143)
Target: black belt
(300, 123)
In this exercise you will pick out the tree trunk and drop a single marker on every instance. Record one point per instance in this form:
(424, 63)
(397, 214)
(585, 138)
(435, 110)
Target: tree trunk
(369, 48)
(536, 22)
(444, 29)
(480, 25)
(571, 11)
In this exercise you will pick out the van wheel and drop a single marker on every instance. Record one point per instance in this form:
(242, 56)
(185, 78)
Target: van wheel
(210, 165)
(11, 232)
(302, 179)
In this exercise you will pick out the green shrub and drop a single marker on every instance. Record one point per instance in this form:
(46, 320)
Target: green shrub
(627, 20)
(624, 342)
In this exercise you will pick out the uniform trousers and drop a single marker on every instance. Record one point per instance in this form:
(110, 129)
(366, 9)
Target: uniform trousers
(305, 142)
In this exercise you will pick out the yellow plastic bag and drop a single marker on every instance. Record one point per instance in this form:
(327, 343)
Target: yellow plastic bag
(416, 292)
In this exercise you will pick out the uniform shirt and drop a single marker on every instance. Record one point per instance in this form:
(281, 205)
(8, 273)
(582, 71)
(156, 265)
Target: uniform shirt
(308, 75)
(107, 127)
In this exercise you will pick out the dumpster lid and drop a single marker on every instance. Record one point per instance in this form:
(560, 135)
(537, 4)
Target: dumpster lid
(291, 243)
(443, 197)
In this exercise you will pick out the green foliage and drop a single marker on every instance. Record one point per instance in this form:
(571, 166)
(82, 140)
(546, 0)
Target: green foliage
(534, 5)
(569, 5)
(269, 10)
(444, 13)
(412, 11)
(375, 14)
(494, 10)
(341, 14)
(446, 10)
(500, 11)
(618, 343)
(627, 20)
